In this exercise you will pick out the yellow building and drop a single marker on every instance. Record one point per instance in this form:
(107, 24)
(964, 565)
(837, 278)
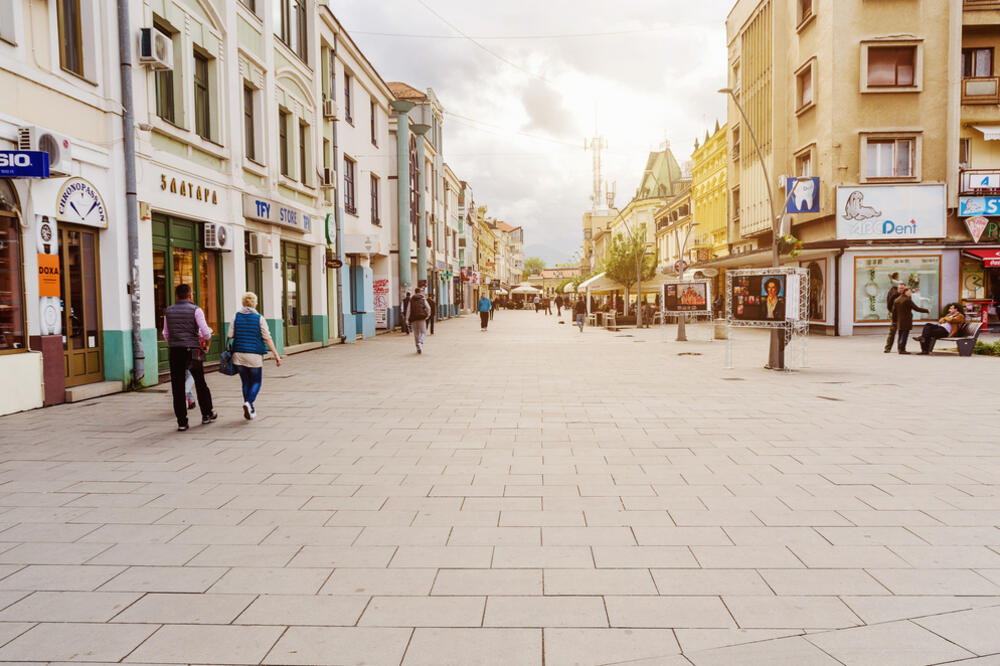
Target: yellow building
(710, 239)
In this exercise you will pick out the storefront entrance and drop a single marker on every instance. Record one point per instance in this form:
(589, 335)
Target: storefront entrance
(179, 259)
(255, 275)
(295, 271)
(79, 271)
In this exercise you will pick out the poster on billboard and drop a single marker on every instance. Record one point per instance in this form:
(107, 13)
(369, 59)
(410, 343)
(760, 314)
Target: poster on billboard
(767, 297)
(381, 293)
(891, 212)
(693, 296)
(874, 277)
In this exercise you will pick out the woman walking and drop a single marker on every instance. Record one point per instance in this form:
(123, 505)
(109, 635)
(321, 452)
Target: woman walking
(251, 340)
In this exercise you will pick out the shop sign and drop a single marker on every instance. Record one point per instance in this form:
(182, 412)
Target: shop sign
(970, 206)
(991, 258)
(273, 212)
(976, 226)
(24, 164)
(190, 189)
(980, 180)
(48, 276)
(891, 212)
(79, 202)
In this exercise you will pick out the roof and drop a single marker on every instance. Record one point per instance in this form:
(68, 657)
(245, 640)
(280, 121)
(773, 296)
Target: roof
(548, 273)
(405, 91)
(503, 226)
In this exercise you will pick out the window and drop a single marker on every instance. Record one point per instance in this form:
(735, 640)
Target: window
(890, 157)
(736, 142)
(977, 62)
(964, 153)
(284, 117)
(331, 73)
(804, 163)
(202, 103)
(292, 26)
(804, 95)
(70, 36)
(736, 76)
(805, 10)
(414, 188)
(303, 152)
(7, 31)
(349, 202)
(249, 124)
(250, 4)
(12, 311)
(165, 87)
(348, 115)
(736, 204)
(374, 122)
(892, 66)
(376, 218)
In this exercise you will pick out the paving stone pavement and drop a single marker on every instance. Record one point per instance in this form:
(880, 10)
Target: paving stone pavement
(525, 496)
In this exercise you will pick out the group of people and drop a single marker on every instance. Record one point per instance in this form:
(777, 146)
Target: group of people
(545, 303)
(188, 337)
(901, 308)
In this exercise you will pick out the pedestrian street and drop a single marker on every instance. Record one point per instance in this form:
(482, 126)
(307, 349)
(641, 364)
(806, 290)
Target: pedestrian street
(528, 495)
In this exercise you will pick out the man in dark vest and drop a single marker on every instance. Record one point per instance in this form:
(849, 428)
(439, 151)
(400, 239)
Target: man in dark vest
(187, 337)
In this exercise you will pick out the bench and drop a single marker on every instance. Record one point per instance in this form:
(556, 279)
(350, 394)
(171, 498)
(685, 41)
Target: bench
(966, 338)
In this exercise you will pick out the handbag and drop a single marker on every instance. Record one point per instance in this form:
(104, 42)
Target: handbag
(226, 365)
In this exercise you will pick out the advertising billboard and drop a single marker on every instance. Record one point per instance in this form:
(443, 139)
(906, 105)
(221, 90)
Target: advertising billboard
(691, 296)
(891, 212)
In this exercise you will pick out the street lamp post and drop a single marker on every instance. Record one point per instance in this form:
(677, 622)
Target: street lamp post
(681, 317)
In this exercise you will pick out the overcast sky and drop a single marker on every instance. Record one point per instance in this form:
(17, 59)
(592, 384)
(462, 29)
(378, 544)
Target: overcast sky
(516, 118)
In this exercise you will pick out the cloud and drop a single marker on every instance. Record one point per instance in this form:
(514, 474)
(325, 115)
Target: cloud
(547, 111)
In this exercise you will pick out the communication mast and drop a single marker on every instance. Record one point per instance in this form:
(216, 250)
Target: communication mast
(597, 145)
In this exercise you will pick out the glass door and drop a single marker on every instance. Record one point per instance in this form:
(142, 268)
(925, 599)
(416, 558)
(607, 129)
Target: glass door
(83, 349)
(296, 293)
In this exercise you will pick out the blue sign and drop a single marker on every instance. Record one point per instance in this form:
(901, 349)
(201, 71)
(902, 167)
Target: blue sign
(24, 164)
(275, 212)
(802, 195)
(972, 206)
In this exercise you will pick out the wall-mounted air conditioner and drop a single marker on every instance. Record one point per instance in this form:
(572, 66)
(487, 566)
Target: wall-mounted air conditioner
(218, 237)
(57, 146)
(156, 50)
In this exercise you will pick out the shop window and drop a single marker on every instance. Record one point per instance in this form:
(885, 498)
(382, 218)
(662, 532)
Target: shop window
(890, 66)
(376, 217)
(202, 97)
(890, 157)
(12, 326)
(875, 276)
(164, 79)
(303, 153)
(348, 111)
(249, 124)
(284, 118)
(70, 36)
(349, 202)
(977, 62)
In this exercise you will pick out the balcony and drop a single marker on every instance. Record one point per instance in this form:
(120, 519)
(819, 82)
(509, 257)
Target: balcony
(981, 12)
(980, 182)
(981, 90)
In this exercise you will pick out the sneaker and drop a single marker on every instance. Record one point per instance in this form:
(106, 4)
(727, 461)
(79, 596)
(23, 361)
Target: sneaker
(419, 350)
(887, 350)
(247, 411)
(905, 352)
(253, 412)
(205, 420)
(182, 428)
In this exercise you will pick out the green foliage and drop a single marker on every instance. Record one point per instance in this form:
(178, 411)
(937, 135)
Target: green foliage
(623, 258)
(987, 348)
(534, 265)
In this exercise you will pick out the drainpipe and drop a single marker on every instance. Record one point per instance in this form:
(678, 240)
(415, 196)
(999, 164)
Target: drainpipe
(401, 109)
(420, 130)
(131, 197)
(338, 214)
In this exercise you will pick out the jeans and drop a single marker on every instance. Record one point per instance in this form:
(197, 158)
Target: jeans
(419, 332)
(251, 379)
(180, 363)
(484, 320)
(903, 336)
(579, 321)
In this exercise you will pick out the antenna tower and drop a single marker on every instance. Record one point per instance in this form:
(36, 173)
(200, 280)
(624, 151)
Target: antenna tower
(597, 145)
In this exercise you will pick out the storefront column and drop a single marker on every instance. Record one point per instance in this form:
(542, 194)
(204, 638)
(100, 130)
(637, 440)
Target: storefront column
(419, 131)
(402, 109)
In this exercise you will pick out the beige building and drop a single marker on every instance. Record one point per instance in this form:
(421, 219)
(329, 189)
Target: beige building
(886, 103)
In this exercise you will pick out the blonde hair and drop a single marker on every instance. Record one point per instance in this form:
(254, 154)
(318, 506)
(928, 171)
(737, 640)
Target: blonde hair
(250, 300)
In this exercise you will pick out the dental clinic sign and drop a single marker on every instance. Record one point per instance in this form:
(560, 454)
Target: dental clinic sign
(891, 212)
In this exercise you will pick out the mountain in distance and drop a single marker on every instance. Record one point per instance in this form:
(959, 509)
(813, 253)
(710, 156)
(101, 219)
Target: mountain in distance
(549, 255)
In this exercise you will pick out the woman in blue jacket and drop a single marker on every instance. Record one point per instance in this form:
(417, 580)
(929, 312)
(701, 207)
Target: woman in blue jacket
(251, 340)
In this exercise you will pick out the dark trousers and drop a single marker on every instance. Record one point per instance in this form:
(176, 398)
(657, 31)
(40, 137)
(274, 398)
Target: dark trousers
(893, 331)
(180, 360)
(491, 313)
(903, 336)
(484, 319)
(931, 334)
(430, 322)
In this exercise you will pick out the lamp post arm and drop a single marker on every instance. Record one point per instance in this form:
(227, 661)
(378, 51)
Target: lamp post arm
(767, 180)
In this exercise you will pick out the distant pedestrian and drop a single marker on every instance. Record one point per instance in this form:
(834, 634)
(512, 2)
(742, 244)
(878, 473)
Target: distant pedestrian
(404, 313)
(493, 307)
(538, 303)
(559, 305)
(419, 312)
(904, 307)
(580, 313)
(547, 303)
(251, 340)
(187, 337)
(890, 298)
(432, 306)
(485, 309)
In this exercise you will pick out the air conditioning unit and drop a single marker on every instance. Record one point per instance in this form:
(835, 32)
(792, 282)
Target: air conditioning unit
(57, 146)
(253, 244)
(218, 237)
(330, 110)
(156, 50)
(329, 179)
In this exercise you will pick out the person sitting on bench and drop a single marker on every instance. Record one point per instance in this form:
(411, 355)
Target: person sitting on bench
(947, 327)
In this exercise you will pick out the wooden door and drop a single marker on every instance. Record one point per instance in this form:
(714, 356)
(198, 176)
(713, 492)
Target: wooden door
(83, 345)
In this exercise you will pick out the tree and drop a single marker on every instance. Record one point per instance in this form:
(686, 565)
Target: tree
(625, 254)
(533, 265)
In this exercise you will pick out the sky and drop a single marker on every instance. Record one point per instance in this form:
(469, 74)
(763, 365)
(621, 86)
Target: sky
(522, 83)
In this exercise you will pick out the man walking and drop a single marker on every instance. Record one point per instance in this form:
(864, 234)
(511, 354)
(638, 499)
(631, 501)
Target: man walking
(404, 313)
(432, 306)
(580, 313)
(559, 304)
(419, 313)
(890, 299)
(187, 337)
(485, 309)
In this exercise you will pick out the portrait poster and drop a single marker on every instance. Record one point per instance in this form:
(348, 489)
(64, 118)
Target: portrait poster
(759, 297)
(686, 297)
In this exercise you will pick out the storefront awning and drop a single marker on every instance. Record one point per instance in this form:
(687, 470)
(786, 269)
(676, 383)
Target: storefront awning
(990, 258)
(990, 132)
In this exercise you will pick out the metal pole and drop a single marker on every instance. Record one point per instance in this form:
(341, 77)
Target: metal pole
(131, 196)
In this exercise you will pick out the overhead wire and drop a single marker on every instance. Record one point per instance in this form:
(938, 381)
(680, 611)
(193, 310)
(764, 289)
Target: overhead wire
(568, 35)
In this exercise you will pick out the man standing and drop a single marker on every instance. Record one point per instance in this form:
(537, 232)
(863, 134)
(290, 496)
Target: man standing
(890, 298)
(580, 313)
(559, 304)
(432, 306)
(187, 337)
(418, 315)
(485, 309)
(538, 303)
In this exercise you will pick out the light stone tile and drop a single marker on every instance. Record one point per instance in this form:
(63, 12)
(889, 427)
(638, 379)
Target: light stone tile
(681, 536)
(618, 518)
(68, 607)
(231, 555)
(710, 582)
(299, 535)
(846, 557)
(793, 651)
(185, 609)
(164, 579)
(491, 582)
(871, 536)
(643, 557)
(383, 518)
(310, 646)
(474, 647)
(223, 534)
(437, 557)
(36, 531)
(974, 630)
(276, 517)
(668, 612)
(892, 644)
(495, 536)
(403, 536)
(51, 553)
(302, 610)
(447, 519)
(152, 554)
(502, 504)
(933, 582)
(540, 612)
(828, 582)
(207, 644)
(874, 610)
(947, 557)
(59, 577)
(65, 641)
(745, 557)
(769, 536)
(951, 536)
(379, 581)
(541, 519)
(791, 612)
(437, 611)
(596, 647)
(343, 556)
(696, 640)
(588, 536)
(271, 581)
(138, 534)
(598, 582)
(538, 557)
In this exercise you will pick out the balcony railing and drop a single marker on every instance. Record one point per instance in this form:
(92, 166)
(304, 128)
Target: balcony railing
(980, 182)
(981, 90)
